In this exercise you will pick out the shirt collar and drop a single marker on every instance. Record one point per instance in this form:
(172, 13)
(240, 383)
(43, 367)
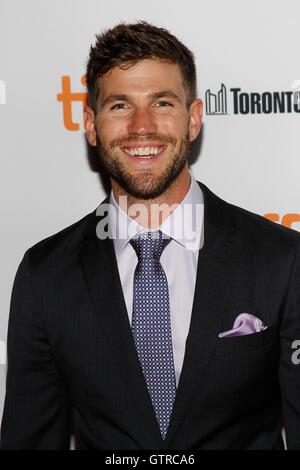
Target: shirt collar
(184, 224)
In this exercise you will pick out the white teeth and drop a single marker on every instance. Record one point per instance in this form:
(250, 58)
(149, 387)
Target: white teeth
(142, 151)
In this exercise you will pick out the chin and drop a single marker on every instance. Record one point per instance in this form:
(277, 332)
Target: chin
(145, 187)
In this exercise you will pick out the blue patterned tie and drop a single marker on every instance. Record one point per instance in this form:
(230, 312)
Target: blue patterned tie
(151, 324)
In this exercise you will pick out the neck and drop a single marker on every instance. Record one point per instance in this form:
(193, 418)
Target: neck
(150, 213)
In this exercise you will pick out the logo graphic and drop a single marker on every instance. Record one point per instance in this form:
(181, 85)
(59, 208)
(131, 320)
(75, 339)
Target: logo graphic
(253, 102)
(67, 98)
(2, 92)
(288, 220)
(216, 103)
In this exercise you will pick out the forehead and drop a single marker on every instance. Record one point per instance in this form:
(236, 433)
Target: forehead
(146, 76)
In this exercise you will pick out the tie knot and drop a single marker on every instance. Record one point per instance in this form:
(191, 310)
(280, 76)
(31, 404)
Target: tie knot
(150, 244)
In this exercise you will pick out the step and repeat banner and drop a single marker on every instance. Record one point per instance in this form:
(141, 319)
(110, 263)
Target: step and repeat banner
(247, 56)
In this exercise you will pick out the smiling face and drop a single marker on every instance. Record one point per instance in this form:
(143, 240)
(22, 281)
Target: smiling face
(143, 127)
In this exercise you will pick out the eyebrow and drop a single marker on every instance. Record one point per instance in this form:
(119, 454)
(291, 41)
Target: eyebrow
(155, 95)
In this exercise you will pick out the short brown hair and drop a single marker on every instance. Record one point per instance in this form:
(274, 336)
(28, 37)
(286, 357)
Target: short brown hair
(126, 44)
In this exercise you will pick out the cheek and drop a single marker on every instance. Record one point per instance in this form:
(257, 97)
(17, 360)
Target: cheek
(175, 128)
(110, 129)
(176, 123)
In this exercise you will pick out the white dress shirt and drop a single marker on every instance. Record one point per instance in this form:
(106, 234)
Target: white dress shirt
(179, 260)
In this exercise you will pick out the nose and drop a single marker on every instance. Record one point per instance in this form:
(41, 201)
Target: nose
(142, 122)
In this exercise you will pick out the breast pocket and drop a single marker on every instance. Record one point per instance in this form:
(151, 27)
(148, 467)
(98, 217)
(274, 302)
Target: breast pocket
(246, 343)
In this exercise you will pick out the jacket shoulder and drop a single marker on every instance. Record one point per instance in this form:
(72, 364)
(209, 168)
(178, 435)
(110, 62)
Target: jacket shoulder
(248, 224)
(60, 244)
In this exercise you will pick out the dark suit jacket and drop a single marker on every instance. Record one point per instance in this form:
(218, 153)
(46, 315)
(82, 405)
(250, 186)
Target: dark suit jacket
(71, 355)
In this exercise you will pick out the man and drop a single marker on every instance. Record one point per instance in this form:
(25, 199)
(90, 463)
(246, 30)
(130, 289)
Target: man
(154, 339)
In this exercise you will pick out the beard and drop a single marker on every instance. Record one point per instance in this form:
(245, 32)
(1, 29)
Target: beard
(144, 185)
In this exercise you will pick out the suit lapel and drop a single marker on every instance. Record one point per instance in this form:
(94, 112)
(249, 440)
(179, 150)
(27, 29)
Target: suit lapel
(99, 265)
(216, 267)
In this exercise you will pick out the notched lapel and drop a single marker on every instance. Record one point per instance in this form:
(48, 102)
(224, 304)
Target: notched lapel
(99, 265)
(217, 264)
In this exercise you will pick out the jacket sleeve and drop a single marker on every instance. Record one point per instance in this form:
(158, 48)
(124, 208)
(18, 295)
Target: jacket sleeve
(37, 409)
(289, 371)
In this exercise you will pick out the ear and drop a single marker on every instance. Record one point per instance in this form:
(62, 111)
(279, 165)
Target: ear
(195, 121)
(89, 125)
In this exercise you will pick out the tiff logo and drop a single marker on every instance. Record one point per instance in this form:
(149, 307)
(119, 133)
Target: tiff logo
(2, 353)
(2, 92)
(67, 97)
(216, 104)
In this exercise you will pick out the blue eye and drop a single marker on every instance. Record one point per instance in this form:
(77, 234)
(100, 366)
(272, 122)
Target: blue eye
(118, 104)
(164, 103)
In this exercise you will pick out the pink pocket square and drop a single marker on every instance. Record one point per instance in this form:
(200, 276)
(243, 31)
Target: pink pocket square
(245, 324)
